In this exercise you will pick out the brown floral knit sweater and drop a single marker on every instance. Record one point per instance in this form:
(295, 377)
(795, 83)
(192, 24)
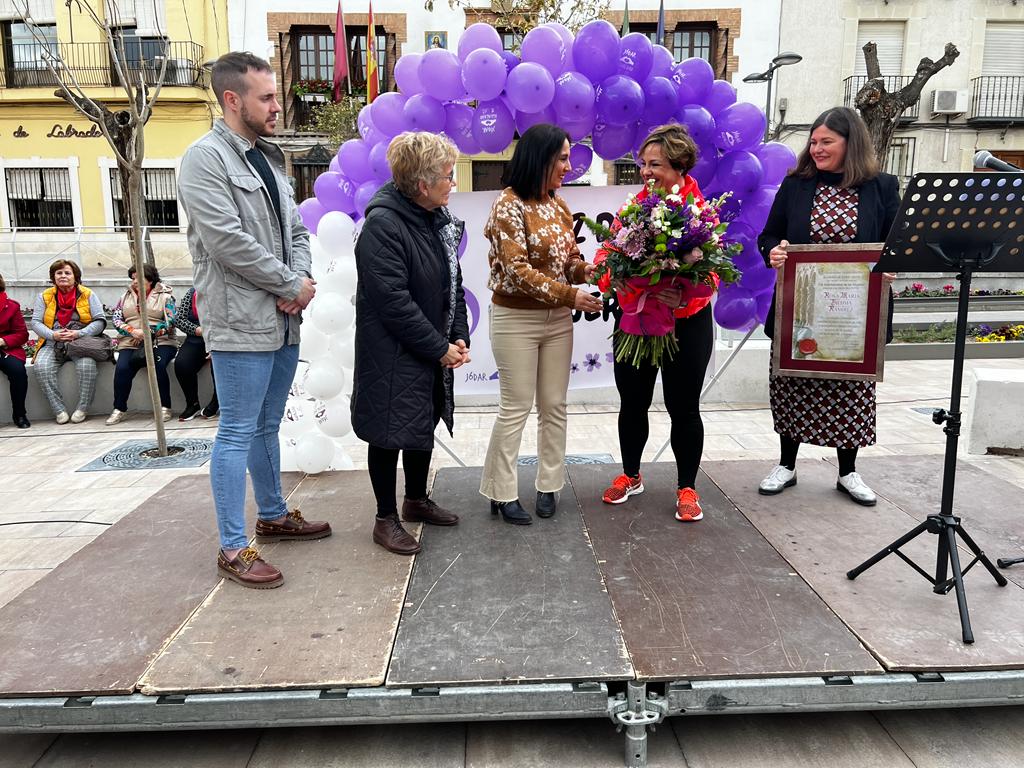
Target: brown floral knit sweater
(534, 258)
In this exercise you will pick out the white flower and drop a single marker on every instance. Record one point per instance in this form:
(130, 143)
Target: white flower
(677, 233)
(674, 198)
(675, 189)
(695, 210)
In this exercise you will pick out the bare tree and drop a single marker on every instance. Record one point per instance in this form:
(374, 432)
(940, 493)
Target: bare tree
(520, 16)
(880, 109)
(124, 130)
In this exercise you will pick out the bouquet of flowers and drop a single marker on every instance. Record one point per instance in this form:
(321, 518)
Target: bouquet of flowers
(645, 250)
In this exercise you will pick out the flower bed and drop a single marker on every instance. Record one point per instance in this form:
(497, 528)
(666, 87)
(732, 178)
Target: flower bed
(918, 290)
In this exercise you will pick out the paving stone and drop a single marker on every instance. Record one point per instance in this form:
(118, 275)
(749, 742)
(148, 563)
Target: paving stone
(989, 736)
(209, 749)
(19, 750)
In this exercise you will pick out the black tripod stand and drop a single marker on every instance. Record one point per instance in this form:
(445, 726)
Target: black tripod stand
(966, 222)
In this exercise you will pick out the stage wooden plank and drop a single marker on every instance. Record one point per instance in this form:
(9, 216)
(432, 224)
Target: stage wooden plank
(708, 599)
(330, 625)
(989, 506)
(96, 622)
(891, 608)
(491, 602)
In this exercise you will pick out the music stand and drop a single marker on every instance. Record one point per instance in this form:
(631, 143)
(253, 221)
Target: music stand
(969, 223)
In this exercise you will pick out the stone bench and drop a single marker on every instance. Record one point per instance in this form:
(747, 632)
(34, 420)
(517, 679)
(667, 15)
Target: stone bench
(994, 417)
(38, 408)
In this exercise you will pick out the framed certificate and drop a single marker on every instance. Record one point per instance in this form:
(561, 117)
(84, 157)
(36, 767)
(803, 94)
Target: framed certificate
(831, 310)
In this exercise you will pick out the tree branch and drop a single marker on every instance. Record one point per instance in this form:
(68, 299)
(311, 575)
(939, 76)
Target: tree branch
(926, 69)
(871, 60)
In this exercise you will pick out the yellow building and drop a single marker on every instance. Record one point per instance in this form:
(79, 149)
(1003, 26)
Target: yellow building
(56, 168)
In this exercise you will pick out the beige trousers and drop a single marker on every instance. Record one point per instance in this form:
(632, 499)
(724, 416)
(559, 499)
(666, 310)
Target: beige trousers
(533, 350)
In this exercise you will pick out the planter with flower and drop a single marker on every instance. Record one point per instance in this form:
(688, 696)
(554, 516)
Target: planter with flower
(660, 238)
(313, 90)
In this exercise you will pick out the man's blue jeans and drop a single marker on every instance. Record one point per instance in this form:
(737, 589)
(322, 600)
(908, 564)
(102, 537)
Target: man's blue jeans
(252, 388)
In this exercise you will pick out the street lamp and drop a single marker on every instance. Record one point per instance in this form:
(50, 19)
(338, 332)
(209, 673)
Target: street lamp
(782, 60)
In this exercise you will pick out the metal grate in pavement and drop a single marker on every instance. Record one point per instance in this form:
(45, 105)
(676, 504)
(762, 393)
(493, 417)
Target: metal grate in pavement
(194, 452)
(572, 458)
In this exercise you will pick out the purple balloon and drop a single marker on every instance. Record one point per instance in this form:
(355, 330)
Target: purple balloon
(544, 46)
(524, 120)
(476, 37)
(354, 160)
(739, 126)
(758, 277)
(764, 303)
(636, 54)
(735, 309)
(567, 41)
(659, 100)
(580, 158)
(596, 50)
(334, 165)
(704, 171)
(440, 72)
(458, 125)
(386, 113)
(511, 60)
(580, 129)
(693, 79)
(348, 191)
(574, 97)
(613, 141)
(530, 86)
(364, 194)
(620, 100)
(484, 73)
(493, 126)
(379, 162)
(699, 123)
(326, 189)
(311, 210)
(369, 132)
(407, 74)
(777, 160)
(423, 113)
(722, 94)
(757, 206)
(662, 62)
(739, 172)
(748, 258)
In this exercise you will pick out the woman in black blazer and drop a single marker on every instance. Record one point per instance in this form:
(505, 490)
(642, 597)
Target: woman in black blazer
(836, 194)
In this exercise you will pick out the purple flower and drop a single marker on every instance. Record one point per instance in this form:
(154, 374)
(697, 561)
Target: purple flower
(591, 362)
(574, 368)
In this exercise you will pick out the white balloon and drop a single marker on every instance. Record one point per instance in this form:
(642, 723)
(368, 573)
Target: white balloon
(334, 417)
(298, 417)
(334, 282)
(324, 380)
(342, 350)
(296, 389)
(288, 462)
(333, 313)
(345, 274)
(336, 232)
(314, 343)
(342, 460)
(320, 259)
(314, 453)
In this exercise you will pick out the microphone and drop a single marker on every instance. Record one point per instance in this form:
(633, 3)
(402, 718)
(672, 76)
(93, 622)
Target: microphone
(985, 159)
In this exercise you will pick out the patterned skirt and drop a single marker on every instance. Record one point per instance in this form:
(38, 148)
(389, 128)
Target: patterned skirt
(835, 413)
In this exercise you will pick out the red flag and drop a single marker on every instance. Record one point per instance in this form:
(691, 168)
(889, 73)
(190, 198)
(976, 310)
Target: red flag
(372, 86)
(340, 53)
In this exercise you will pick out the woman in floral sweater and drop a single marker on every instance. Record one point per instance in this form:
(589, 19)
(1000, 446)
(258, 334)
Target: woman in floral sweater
(534, 264)
(131, 326)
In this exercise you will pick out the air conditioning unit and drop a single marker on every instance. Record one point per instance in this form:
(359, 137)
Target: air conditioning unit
(949, 102)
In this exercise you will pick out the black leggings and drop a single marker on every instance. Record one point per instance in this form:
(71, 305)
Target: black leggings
(682, 379)
(15, 370)
(383, 466)
(190, 360)
(788, 448)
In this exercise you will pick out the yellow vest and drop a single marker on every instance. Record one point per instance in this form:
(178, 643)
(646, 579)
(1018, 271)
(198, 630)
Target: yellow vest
(50, 308)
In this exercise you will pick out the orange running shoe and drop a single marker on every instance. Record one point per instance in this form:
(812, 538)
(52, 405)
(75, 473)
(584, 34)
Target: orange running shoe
(688, 506)
(622, 488)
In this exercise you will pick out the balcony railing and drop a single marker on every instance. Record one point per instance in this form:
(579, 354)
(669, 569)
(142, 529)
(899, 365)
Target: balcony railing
(892, 84)
(91, 65)
(997, 98)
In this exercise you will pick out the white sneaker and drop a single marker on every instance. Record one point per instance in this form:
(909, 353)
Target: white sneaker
(857, 489)
(166, 413)
(63, 418)
(115, 417)
(78, 416)
(778, 480)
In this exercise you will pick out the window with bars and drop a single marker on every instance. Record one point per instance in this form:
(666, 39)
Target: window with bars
(23, 54)
(627, 173)
(693, 42)
(39, 197)
(314, 52)
(357, 53)
(488, 175)
(900, 159)
(510, 41)
(159, 189)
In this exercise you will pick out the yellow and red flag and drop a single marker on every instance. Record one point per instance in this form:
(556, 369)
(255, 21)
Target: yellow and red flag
(372, 86)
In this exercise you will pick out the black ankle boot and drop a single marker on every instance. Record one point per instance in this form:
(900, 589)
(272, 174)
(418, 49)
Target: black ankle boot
(511, 512)
(546, 504)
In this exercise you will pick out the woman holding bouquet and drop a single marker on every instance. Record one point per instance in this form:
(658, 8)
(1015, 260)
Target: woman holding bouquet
(836, 194)
(666, 157)
(534, 264)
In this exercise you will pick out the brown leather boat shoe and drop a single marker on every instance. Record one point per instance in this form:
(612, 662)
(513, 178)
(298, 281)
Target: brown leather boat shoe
(249, 569)
(389, 533)
(292, 527)
(426, 511)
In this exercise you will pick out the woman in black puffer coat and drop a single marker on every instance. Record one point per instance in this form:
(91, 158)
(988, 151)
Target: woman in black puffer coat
(411, 330)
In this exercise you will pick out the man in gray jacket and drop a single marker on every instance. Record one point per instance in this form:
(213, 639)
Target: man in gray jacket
(251, 268)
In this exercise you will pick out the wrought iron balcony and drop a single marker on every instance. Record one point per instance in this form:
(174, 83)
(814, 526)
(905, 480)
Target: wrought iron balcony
(90, 64)
(997, 99)
(892, 84)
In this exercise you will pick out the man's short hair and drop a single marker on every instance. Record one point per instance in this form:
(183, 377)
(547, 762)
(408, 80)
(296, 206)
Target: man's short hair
(229, 72)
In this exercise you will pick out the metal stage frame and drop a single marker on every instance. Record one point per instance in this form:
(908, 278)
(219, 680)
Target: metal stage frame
(640, 706)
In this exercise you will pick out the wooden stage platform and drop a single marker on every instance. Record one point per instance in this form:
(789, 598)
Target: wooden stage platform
(618, 612)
